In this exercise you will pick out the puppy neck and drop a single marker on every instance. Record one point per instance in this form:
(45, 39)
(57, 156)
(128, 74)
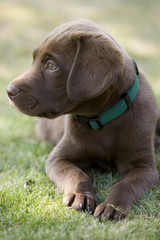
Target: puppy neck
(111, 95)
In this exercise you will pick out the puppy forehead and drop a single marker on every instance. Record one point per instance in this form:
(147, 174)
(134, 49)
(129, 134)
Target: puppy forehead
(56, 49)
(58, 39)
(50, 46)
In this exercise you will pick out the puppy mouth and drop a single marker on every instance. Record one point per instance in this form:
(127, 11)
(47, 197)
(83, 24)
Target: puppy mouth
(30, 106)
(24, 104)
(30, 103)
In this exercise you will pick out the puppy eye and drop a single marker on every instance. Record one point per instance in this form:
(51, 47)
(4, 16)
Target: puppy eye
(51, 66)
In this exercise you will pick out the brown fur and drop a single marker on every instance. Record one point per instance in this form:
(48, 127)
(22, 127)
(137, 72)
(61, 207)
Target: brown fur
(93, 71)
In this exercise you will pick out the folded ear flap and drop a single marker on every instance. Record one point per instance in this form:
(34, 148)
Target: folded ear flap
(98, 61)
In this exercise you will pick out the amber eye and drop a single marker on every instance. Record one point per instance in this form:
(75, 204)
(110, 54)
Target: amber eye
(51, 66)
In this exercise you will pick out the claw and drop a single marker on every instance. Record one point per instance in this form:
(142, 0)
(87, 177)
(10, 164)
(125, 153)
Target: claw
(68, 203)
(81, 201)
(108, 216)
(98, 214)
(81, 205)
(88, 209)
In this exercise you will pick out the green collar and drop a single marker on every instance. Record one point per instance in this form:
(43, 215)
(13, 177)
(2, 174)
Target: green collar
(119, 108)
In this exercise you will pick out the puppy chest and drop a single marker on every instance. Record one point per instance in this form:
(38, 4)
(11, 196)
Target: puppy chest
(99, 145)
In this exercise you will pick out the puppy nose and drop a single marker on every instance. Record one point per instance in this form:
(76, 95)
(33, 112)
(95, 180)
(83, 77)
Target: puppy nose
(12, 91)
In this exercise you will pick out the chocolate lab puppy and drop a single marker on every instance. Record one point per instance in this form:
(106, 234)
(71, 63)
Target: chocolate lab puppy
(110, 115)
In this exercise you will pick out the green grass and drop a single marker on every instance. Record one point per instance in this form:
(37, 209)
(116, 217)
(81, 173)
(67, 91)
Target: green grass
(35, 211)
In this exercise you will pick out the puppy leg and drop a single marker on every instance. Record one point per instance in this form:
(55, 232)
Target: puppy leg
(71, 180)
(136, 182)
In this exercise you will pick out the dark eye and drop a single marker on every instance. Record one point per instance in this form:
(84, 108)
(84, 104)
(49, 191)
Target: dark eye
(51, 66)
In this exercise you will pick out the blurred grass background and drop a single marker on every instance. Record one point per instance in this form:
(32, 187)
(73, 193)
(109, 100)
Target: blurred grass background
(23, 25)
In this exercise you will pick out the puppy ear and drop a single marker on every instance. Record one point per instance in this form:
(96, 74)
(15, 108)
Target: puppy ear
(97, 62)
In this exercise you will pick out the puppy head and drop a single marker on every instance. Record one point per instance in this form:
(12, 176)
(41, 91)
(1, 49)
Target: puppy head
(76, 62)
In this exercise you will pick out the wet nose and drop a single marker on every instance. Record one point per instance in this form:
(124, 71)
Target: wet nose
(12, 91)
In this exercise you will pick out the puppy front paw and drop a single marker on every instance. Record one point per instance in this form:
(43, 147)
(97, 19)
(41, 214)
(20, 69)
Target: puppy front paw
(110, 212)
(81, 201)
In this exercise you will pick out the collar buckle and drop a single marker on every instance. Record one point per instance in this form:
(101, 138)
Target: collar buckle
(127, 99)
(94, 122)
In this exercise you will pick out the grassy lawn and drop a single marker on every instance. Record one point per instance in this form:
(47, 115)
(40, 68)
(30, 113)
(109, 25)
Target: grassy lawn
(30, 205)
